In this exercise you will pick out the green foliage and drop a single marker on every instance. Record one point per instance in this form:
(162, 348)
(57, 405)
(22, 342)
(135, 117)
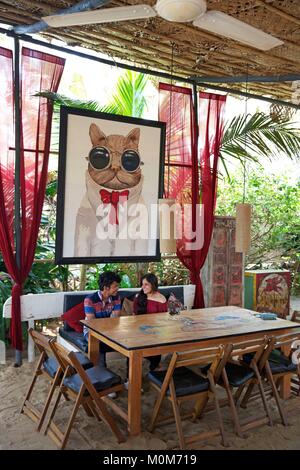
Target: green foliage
(61, 100)
(257, 136)
(275, 240)
(170, 272)
(126, 271)
(128, 97)
(5, 292)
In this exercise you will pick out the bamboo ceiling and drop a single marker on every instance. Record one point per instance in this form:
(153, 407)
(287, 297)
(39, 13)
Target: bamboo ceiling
(148, 43)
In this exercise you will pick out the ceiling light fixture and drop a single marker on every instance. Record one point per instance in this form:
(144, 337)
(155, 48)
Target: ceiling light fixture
(180, 10)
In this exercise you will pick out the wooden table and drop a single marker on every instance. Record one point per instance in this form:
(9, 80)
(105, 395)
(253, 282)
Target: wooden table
(148, 335)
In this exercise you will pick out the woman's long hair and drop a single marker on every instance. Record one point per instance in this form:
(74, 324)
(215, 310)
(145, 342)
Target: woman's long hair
(142, 297)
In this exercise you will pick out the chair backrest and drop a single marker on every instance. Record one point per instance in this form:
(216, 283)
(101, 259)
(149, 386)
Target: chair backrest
(255, 348)
(70, 365)
(41, 341)
(216, 357)
(287, 339)
(61, 355)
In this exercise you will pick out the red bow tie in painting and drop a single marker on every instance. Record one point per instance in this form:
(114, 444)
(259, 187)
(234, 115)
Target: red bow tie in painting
(113, 198)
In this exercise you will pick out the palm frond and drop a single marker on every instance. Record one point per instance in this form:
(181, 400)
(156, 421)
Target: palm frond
(128, 97)
(62, 100)
(254, 136)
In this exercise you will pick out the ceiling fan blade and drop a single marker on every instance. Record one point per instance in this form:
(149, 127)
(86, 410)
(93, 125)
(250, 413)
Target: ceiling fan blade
(107, 15)
(219, 23)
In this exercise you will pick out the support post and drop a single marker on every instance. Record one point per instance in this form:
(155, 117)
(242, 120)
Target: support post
(17, 105)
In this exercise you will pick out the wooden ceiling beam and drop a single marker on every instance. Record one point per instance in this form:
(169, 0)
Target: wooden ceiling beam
(31, 4)
(164, 51)
(278, 12)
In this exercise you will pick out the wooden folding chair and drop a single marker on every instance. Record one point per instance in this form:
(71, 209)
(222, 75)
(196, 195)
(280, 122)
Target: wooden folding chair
(274, 365)
(88, 388)
(244, 372)
(179, 384)
(51, 369)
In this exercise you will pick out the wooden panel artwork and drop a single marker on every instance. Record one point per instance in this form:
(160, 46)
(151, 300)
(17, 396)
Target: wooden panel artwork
(222, 274)
(268, 291)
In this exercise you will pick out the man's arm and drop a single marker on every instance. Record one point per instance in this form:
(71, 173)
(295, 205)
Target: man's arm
(89, 309)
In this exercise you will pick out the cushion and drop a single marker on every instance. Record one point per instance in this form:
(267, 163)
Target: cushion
(70, 300)
(280, 364)
(100, 377)
(277, 368)
(73, 316)
(76, 338)
(238, 374)
(185, 380)
(127, 306)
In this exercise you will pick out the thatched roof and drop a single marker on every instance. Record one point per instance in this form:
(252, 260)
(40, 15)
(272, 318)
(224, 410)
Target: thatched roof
(147, 43)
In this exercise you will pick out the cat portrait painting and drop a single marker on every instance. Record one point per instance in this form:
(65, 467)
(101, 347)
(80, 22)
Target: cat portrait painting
(110, 178)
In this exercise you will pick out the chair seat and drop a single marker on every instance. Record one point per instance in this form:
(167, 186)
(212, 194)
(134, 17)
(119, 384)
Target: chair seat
(185, 380)
(51, 365)
(100, 377)
(76, 338)
(238, 374)
(279, 364)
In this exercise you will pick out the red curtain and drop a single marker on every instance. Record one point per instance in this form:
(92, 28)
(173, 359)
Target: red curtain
(211, 113)
(182, 171)
(39, 71)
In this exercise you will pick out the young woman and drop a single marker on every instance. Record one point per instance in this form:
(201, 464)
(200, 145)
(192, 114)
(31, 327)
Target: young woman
(150, 300)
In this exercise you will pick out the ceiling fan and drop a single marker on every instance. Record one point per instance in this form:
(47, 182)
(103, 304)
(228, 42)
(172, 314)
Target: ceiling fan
(182, 11)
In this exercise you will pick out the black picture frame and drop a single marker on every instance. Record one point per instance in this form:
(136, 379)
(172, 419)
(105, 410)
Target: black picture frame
(65, 113)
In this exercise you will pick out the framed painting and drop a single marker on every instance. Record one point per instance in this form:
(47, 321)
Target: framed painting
(110, 178)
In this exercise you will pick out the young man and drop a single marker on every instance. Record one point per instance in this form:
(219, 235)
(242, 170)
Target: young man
(104, 303)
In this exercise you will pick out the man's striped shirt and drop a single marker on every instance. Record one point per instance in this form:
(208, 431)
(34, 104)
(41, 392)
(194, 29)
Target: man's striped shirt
(93, 304)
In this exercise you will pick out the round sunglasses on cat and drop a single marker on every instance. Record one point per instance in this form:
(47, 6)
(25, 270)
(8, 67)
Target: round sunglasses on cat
(100, 159)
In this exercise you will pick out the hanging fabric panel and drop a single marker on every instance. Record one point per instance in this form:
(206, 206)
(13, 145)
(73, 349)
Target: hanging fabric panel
(39, 71)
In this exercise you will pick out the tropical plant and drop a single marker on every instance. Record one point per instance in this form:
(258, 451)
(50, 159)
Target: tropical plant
(129, 97)
(257, 136)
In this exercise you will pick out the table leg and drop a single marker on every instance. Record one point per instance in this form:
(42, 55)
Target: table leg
(134, 393)
(285, 387)
(93, 352)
